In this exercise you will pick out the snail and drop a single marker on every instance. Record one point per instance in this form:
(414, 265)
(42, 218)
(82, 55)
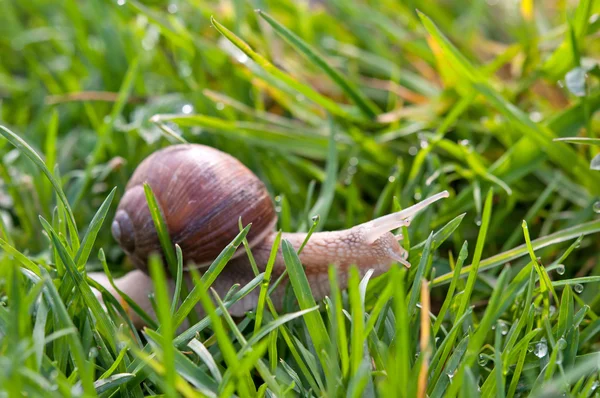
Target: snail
(202, 193)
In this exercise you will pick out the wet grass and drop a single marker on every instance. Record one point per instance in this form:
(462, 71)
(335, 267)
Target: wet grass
(347, 111)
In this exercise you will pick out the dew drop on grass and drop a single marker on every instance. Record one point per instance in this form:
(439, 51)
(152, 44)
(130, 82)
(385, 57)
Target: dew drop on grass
(121, 2)
(220, 106)
(561, 344)
(595, 385)
(464, 142)
(578, 288)
(530, 348)
(451, 375)
(187, 109)
(535, 116)
(541, 349)
(412, 151)
(93, 352)
(560, 270)
(185, 69)
(478, 221)
(482, 360)
(391, 178)
(172, 8)
(503, 328)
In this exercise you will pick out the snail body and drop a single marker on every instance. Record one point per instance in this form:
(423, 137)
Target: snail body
(202, 193)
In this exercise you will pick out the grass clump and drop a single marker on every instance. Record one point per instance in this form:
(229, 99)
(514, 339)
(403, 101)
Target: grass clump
(347, 111)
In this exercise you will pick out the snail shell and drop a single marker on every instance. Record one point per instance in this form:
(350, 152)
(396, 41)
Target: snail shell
(201, 192)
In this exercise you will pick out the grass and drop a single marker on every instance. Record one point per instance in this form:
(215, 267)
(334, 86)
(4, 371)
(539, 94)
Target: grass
(347, 111)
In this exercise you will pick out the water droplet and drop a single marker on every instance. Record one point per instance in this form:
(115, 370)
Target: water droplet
(93, 352)
(185, 69)
(482, 360)
(147, 44)
(121, 2)
(418, 195)
(315, 218)
(391, 178)
(595, 385)
(278, 209)
(503, 328)
(552, 311)
(530, 348)
(561, 344)
(578, 288)
(220, 106)
(187, 109)
(593, 19)
(464, 142)
(242, 58)
(423, 144)
(353, 161)
(560, 269)
(451, 375)
(541, 349)
(478, 220)
(172, 8)
(596, 206)
(277, 199)
(535, 116)
(412, 151)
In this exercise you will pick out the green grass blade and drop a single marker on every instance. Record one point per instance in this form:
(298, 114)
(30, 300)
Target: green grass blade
(303, 89)
(89, 238)
(209, 276)
(28, 151)
(364, 104)
(302, 291)
(161, 293)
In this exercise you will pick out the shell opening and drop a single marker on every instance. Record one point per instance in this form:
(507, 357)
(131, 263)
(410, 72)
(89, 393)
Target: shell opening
(123, 231)
(381, 225)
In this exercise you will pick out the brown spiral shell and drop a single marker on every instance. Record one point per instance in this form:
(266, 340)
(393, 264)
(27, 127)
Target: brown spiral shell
(202, 192)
